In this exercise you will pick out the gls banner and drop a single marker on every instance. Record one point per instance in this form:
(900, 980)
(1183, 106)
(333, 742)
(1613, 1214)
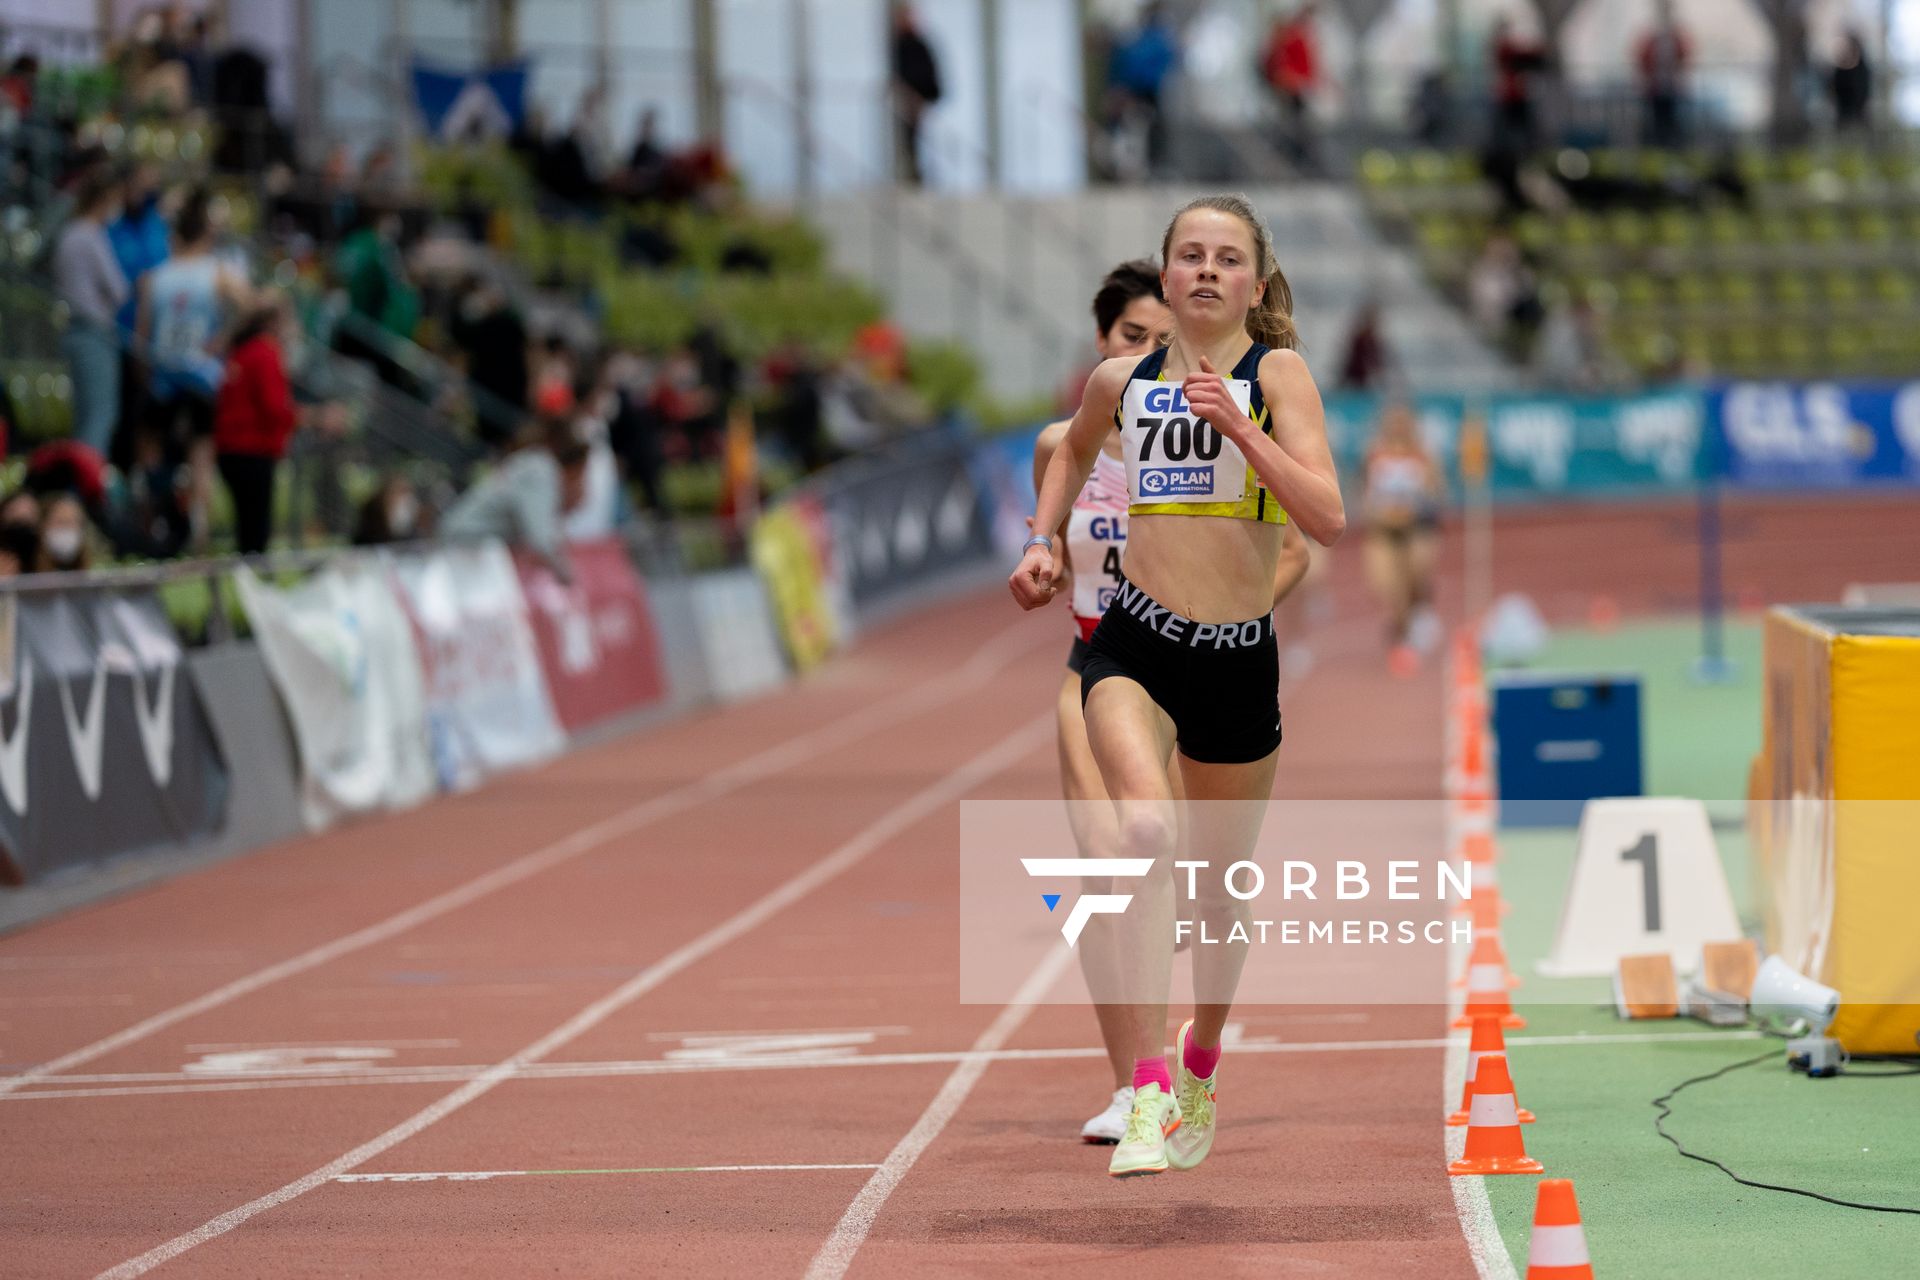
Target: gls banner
(1817, 435)
(104, 747)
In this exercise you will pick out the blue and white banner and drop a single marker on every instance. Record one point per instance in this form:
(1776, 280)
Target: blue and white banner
(1819, 435)
(460, 106)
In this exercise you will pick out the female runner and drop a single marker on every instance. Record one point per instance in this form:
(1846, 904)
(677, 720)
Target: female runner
(1401, 499)
(1216, 464)
(1131, 319)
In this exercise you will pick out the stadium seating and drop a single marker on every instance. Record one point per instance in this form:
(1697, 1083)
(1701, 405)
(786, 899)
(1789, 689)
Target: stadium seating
(1797, 263)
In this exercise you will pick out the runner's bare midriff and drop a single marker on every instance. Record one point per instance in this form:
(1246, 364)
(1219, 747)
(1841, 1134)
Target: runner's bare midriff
(1208, 568)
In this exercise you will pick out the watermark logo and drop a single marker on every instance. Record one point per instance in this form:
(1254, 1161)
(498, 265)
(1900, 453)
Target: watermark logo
(1087, 905)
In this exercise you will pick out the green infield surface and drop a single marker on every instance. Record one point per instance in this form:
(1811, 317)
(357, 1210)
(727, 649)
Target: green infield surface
(1649, 1212)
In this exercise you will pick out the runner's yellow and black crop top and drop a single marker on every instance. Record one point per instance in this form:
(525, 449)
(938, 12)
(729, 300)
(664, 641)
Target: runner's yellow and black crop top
(1255, 503)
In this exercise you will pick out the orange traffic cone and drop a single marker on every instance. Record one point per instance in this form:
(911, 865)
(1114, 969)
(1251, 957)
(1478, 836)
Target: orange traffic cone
(1494, 1144)
(1487, 1038)
(1478, 847)
(1485, 907)
(1558, 1250)
(1487, 951)
(1483, 895)
(1487, 981)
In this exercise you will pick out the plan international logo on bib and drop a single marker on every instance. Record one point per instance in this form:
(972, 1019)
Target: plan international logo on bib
(1176, 482)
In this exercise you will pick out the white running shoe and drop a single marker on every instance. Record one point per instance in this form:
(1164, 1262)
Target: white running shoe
(1110, 1125)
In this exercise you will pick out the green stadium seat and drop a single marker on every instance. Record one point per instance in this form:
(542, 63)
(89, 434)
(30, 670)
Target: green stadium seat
(1379, 168)
(1677, 228)
(1740, 289)
(1823, 226)
(1842, 288)
(1638, 289)
(1627, 229)
(1792, 288)
(1694, 290)
(1871, 226)
(1725, 228)
(1893, 287)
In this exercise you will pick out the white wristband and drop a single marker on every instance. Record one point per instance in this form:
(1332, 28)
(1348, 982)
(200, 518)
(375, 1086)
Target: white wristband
(1037, 540)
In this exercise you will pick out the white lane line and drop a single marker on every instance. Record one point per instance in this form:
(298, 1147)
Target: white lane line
(1485, 1247)
(490, 1174)
(323, 1044)
(174, 1082)
(1023, 742)
(997, 653)
(836, 1255)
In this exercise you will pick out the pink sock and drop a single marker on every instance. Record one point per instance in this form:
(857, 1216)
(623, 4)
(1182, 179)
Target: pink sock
(1152, 1070)
(1200, 1061)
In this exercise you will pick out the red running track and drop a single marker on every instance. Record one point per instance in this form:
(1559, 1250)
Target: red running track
(521, 977)
(518, 996)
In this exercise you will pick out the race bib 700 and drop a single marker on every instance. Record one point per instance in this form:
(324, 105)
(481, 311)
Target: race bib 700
(1175, 456)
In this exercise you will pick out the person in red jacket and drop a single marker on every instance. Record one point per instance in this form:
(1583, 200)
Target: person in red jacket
(254, 418)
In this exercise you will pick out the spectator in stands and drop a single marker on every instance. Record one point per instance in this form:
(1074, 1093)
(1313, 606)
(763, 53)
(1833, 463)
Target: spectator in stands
(140, 235)
(189, 303)
(17, 86)
(1142, 64)
(142, 240)
(1572, 351)
(1517, 59)
(1430, 110)
(198, 53)
(255, 419)
(1851, 85)
(1292, 68)
(152, 64)
(1664, 56)
(9, 420)
(1493, 283)
(394, 514)
(635, 430)
(1369, 359)
(88, 279)
(19, 550)
(647, 162)
(66, 536)
(21, 510)
(492, 341)
(796, 420)
(526, 498)
(382, 302)
(916, 88)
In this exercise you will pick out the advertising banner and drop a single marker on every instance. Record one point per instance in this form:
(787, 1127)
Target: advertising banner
(598, 644)
(792, 549)
(487, 704)
(902, 517)
(104, 746)
(342, 656)
(1819, 435)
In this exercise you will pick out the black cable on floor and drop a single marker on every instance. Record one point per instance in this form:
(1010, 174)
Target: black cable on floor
(1664, 1104)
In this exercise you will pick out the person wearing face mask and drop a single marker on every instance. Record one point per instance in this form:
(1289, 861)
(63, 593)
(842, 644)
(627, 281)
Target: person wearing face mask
(89, 281)
(63, 537)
